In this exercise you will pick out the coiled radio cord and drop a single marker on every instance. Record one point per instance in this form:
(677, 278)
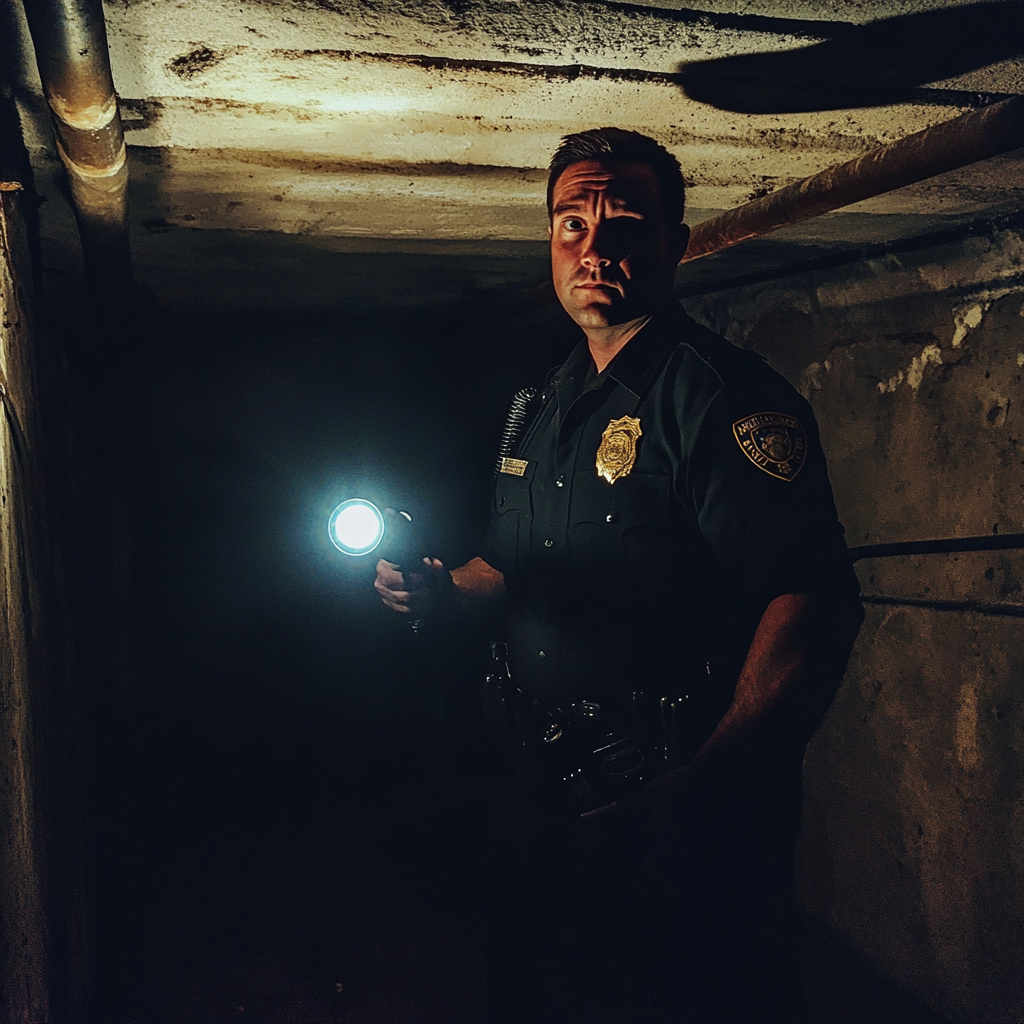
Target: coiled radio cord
(514, 423)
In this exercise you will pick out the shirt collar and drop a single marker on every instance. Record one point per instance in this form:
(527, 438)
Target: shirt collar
(640, 357)
(634, 364)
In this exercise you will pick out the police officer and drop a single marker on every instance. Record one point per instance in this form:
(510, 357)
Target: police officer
(680, 610)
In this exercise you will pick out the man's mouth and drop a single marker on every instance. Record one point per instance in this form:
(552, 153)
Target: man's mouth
(598, 286)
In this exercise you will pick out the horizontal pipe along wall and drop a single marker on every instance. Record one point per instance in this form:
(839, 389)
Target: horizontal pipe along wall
(911, 845)
(963, 140)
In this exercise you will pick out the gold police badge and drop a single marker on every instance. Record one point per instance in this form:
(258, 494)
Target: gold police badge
(773, 442)
(617, 451)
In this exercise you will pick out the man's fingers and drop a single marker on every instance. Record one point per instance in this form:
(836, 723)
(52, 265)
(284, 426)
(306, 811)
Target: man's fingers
(389, 580)
(412, 593)
(607, 811)
(389, 574)
(394, 589)
(393, 596)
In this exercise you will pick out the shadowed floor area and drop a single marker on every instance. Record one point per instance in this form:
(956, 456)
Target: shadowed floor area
(360, 911)
(340, 911)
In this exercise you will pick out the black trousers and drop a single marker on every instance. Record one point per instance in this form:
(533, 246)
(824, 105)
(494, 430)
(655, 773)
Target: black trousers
(610, 920)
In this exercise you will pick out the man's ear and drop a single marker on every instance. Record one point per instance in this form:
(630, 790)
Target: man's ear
(682, 240)
(549, 229)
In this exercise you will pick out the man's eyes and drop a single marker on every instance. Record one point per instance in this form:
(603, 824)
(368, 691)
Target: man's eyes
(621, 224)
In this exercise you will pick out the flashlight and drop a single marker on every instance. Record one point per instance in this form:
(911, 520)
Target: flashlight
(357, 527)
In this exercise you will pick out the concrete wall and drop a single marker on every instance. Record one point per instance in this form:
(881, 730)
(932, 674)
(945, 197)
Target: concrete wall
(913, 838)
(41, 897)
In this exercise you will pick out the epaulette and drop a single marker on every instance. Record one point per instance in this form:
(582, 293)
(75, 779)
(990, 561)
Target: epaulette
(737, 369)
(549, 379)
(720, 355)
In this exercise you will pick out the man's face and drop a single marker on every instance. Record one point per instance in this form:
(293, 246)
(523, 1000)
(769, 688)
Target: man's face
(613, 256)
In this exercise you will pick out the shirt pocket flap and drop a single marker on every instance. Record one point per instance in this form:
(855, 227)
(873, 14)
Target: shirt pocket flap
(512, 489)
(639, 500)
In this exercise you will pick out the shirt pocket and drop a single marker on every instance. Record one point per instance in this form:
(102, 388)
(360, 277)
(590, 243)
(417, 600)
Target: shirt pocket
(624, 525)
(511, 514)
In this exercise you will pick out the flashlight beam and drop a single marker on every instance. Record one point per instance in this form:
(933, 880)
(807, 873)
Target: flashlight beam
(356, 527)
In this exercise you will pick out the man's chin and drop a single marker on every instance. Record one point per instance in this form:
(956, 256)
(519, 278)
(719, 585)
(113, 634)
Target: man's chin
(600, 314)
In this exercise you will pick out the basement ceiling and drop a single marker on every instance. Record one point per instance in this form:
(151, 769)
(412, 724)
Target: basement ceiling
(373, 126)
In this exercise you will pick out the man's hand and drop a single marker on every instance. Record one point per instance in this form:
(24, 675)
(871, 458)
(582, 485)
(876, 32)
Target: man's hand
(793, 667)
(423, 592)
(665, 794)
(418, 593)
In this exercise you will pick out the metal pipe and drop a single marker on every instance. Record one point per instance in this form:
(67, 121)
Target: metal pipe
(70, 40)
(976, 135)
(989, 542)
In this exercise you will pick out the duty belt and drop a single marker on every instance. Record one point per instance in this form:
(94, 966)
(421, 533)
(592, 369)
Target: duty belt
(596, 756)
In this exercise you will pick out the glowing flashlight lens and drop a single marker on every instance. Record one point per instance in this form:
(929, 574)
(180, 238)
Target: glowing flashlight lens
(356, 526)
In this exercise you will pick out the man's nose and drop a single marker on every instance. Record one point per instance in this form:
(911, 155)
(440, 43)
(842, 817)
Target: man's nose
(607, 243)
(597, 251)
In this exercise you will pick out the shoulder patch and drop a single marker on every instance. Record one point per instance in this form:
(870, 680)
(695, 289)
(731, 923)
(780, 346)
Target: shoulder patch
(774, 442)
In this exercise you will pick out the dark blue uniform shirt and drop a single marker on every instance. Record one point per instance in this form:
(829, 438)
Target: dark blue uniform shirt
(714, 500)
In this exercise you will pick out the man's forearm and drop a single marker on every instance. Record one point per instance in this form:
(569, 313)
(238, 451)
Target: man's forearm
(794, 665)
(795, 662)
(476, 582)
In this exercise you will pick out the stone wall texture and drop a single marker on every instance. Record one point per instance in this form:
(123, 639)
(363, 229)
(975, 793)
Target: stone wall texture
(913, 837)
(42, 934)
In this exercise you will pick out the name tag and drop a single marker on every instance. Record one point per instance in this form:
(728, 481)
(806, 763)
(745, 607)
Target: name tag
(516, 467)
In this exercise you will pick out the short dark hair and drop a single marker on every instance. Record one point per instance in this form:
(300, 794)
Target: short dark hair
(621, 144)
